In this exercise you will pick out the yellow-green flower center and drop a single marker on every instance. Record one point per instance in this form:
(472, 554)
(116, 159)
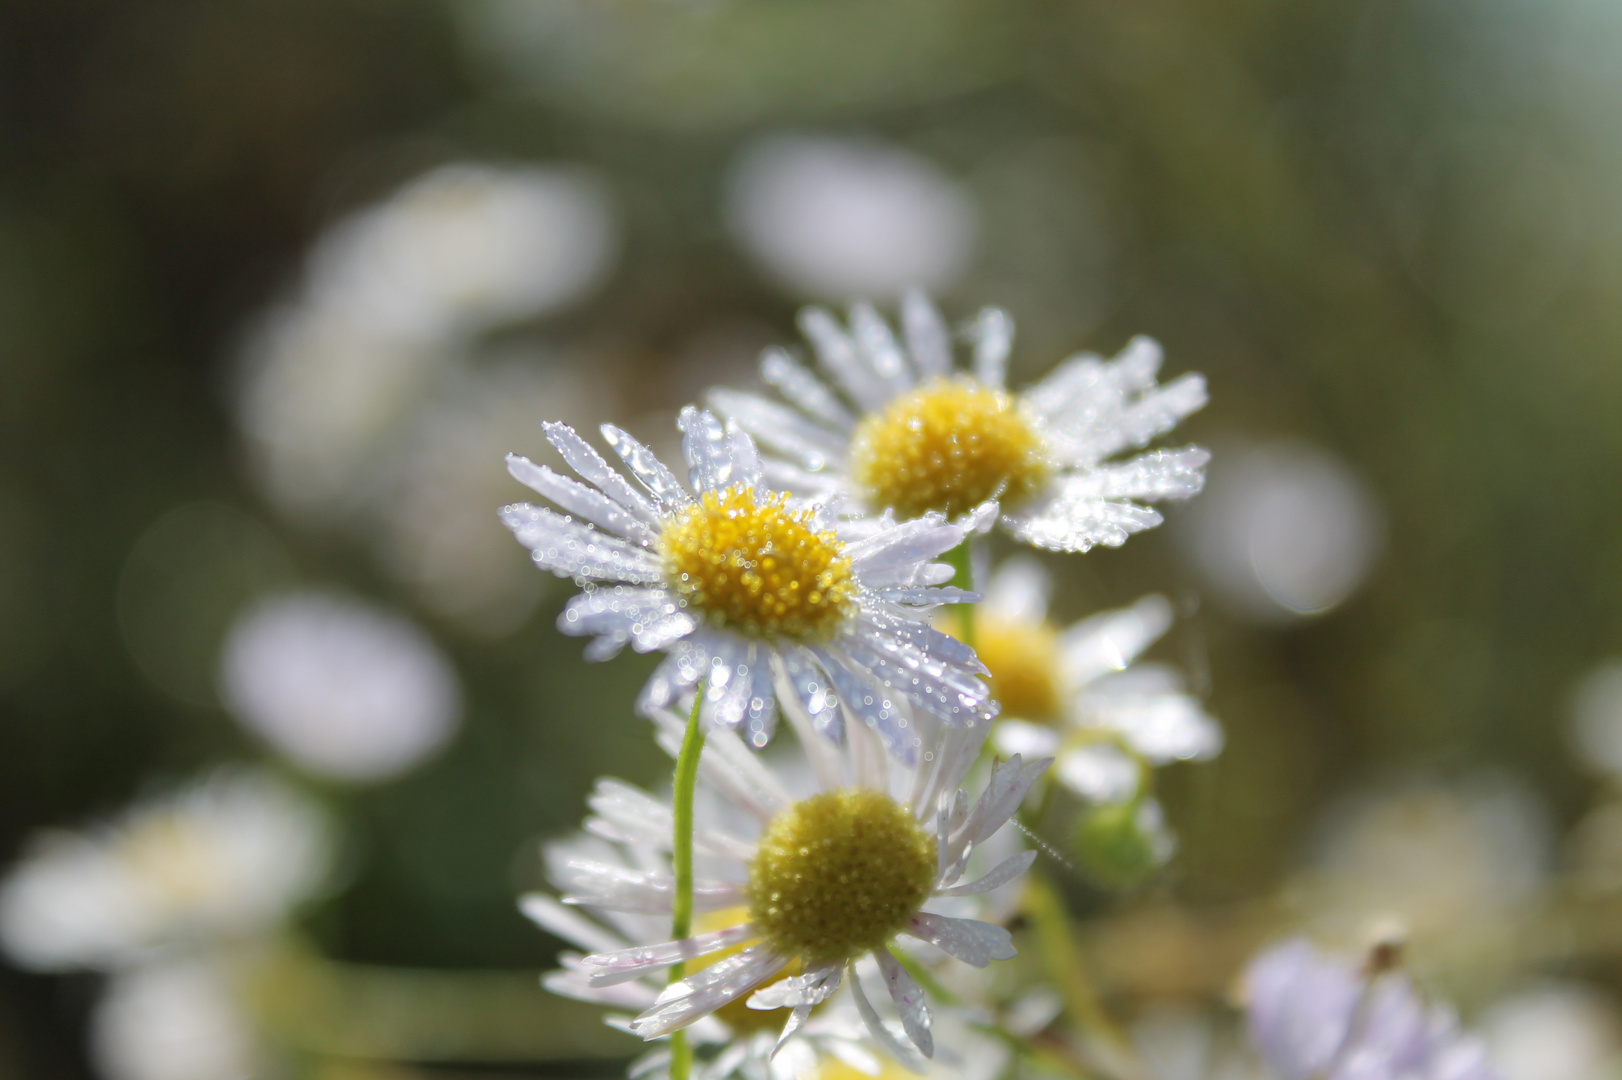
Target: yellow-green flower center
(1023, 658)
(948, 446)
(754, 565)
(838, 874)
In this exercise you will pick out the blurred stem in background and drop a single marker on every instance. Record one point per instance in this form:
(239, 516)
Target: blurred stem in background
(1045, 909)
(681, 920)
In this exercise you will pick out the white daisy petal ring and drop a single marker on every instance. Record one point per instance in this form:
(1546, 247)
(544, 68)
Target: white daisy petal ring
(797, 893)
(770, 600)
(905, 431)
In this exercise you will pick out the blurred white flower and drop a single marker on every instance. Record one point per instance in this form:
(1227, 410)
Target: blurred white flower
(221, 859)
(1080, 694)
(841, 218)
(171, 1020)
(1555, 1031)
(320, 396)
(1284, 530)
(330, 382)
(1596, 718)
(1455, 863)
(437, 533)
(467, 246)
(341, 688)
(1315, 1017)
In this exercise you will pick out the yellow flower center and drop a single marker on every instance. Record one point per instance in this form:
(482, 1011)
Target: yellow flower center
(838, 874)
(175, 861)
(1024, 661)
(751, 564)
(947, 446)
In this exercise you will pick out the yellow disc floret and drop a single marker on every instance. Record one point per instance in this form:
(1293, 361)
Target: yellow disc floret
(1023, 658)
(948, 446)
(838, 874)
(749, 563)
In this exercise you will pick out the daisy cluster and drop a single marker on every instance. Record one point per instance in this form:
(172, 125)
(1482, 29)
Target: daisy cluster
(812, 567)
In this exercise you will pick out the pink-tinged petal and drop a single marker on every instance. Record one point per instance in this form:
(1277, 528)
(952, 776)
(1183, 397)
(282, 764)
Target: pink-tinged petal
(1001, 874)
(617, 967)
(974, 942)
(909, 1001)
(811, 988)
(550, 915)
(875, 1026)
(701, 994)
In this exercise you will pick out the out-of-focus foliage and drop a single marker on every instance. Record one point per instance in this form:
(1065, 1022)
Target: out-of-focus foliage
(1389, 233)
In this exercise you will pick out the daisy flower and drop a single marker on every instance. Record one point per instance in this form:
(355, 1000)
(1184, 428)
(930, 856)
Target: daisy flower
(767, 600)
(223, 860)
(901, 429)
(800, 890)
(1079, 694)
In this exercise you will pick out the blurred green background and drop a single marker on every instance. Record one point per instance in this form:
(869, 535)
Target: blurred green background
(1388, 230)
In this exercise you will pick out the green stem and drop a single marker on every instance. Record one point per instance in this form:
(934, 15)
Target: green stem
(681, 904)
(961, 559)
(1058, 948)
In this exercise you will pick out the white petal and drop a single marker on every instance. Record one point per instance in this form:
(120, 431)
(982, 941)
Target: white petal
(1100, 773)
(559, 921)
(577, 498)
(591, 466)
(702, 993)
(812, 689)
(1112, 640)
(649, 471)
(729, 767)
(746, 467)
(928, 597)
(574, 984)
(941, 646)
(1161, 727)
(1005, 790)
(617, 967)
(974, 942)
(1059, 525)
(620, 888)
(909, 1001)
(927, 338)
(781, 429)
(704, 445)
(953, 695)
(569, 548)
(878, 346)
(837, 355)
(804, 389)
(870, 703)
(689, 660)
(1018, 592)
(878, 1029)
(1012, 736)
(813, 987)
(648, 618)
(1150, 477)
(993, 334)
(997, 876)
(627, 814)
(915, 541)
